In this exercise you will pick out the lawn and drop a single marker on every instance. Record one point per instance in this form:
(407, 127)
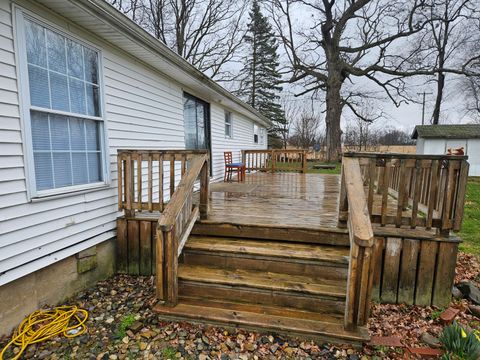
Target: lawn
(470, 232)
(310, 165)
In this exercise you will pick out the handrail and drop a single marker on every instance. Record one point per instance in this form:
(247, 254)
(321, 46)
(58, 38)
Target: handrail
(362, 241)
(164, 181)
(275, 160)
(358, 215)
(170, 214)
(414, 190)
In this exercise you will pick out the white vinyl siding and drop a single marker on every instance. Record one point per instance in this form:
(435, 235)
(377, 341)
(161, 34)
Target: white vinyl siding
(243, 138)
(143, 110)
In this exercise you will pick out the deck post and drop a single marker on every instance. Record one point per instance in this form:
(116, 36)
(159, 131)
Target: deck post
(304, 161)
(204, 189)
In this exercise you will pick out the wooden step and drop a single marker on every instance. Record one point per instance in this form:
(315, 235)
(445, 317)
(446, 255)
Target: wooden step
(296, 291)
(328, 262)
(328, 236)
(304, 324)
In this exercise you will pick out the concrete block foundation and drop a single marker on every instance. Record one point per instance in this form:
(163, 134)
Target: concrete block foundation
(54, 284)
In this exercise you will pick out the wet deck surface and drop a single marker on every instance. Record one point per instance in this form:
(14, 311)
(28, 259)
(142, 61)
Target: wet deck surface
(284, 199)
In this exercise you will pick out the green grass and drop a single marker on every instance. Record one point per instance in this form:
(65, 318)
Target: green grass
(168, 353)
(126, 321)
(471, 222)
(310, 165)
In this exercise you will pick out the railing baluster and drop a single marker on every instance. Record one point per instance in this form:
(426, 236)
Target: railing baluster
(385, 182)
(160, 182)
(129, 184)
(139, 182)
(172, 174)
(449, 194)
(401, 194)
(150, 182)
(460, 201)
(432, 193)
(371, 183)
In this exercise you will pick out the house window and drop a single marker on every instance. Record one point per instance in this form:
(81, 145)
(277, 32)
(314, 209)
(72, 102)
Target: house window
(228, 124)
(255, 134)
(262, 136)
(65, 121)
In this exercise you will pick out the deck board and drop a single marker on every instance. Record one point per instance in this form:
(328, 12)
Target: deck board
(283, 199)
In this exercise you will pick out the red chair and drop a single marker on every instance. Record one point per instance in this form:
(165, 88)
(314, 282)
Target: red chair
(231, 167)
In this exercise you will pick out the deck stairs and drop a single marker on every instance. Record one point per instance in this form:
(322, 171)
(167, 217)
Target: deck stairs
(266, 282)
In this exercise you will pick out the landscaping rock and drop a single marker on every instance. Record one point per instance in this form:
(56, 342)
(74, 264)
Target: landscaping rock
(456, 293)
(430, 340)
(470, 291)
(136, 326)
(475, 310)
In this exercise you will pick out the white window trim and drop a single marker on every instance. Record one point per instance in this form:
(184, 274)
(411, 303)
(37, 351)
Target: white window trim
(231, 124)
(25, 107)
(262, 136)
(258, 133)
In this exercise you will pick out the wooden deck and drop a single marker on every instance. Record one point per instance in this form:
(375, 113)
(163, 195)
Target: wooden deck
(278, 199)
(292, 253)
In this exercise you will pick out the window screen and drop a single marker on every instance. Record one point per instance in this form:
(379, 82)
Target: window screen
(65, 113)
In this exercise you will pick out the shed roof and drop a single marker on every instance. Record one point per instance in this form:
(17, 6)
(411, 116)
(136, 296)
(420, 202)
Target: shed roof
(457, 131)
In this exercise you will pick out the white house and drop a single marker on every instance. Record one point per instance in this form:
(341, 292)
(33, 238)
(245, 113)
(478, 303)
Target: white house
(79, 80)
(437, 139)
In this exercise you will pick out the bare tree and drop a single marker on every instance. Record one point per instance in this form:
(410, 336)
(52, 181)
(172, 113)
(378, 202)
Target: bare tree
(292, 112)
(207, 33)
(471, 90)
(350, 39)
(449, 31)
(305, 131)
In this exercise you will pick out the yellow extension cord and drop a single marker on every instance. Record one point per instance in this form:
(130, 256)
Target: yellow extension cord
(45, 324)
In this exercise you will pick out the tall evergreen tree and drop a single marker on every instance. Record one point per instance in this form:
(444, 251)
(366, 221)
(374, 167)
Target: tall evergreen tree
(260, 77)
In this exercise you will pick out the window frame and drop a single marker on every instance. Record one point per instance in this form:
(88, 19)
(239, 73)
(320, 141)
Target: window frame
(21, 15)
(256, 134)
(229, 115)
(262, 136)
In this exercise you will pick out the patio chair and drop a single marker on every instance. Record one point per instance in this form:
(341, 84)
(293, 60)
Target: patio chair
(231, 167)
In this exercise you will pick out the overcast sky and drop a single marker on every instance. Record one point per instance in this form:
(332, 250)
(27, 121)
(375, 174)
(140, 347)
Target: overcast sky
(408, 114)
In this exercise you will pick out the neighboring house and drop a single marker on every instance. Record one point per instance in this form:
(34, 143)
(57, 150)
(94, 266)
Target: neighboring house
(437, 139)
(79, 80)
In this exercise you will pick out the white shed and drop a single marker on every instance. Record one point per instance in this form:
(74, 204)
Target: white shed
(437, 139)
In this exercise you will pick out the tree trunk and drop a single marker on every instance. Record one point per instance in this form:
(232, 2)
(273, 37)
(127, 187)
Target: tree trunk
(333, 117)
(438, 100)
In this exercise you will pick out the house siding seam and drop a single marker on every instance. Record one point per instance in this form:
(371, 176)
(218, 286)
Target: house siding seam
(144, 110)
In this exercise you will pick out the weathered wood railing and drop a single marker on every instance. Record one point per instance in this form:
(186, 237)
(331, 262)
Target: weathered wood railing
(138, 171)
(413, 190)
(147, 178)
(275, 160)
(175, 225)
(360, 271)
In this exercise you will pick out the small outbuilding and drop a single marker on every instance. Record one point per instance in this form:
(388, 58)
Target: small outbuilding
(437, 139)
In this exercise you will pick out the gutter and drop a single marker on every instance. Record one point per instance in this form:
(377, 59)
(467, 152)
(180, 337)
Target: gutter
(101, 9)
